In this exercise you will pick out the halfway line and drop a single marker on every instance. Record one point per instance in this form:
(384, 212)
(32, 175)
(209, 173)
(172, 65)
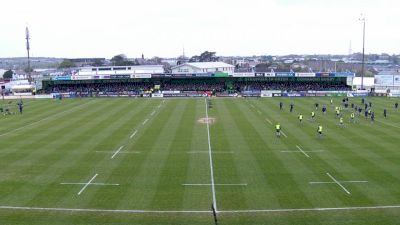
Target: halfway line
(211, 161)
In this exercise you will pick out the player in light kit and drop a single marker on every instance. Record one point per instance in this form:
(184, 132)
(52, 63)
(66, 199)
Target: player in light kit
(278, 130)
(319, 130)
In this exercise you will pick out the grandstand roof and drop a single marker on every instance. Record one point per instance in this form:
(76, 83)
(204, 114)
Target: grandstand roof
(206, 65)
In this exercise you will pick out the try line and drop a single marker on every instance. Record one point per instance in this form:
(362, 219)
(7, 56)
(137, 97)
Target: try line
(129, 211)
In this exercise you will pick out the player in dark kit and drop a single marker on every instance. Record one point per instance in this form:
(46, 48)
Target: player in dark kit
(280, 105)
(20, 106)
(370, 104)
(366, 114)
(359, 110)
(352, 105)
(291, 107)
(316, 105)
(324, 109)
(384, 113)
(396, 105)
(372, 117)
(362, 101)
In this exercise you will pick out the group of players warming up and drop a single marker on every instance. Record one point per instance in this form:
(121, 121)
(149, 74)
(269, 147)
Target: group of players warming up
(345, 105)
(5, 109)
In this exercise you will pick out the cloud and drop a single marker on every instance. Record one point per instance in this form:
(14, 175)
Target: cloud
(161, 28)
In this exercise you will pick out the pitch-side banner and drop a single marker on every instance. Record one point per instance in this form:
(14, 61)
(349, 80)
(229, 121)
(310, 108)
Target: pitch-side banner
(269, 93)
(304, 74)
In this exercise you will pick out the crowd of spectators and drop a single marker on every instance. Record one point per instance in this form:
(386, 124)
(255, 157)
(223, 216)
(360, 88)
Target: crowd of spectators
(194, 86)
(198, 86)
(100, 88)
(291, 86)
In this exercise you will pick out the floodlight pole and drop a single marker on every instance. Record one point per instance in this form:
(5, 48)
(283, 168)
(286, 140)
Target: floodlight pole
(363, 54)
(28, 49)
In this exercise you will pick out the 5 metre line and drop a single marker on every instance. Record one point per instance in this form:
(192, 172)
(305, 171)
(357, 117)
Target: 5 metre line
(211, 161)
(87, 184)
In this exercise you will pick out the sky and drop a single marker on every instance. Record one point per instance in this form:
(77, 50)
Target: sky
(97, 28)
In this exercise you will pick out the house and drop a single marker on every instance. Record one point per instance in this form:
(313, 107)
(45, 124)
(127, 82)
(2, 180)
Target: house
(204, 67)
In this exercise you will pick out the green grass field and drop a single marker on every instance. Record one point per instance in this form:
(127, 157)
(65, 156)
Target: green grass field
(147, 161)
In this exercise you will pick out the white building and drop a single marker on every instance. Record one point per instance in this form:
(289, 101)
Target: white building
(204, 67)
(120, 70)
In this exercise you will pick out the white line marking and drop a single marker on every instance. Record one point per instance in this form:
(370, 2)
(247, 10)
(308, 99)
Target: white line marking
(284, 134)
(214, 184)
(269, 121)
(158, 106)
(20, 128)
(388, 124)
(152, 113)
(305, 151)
(116, 152)
(211, 161)
(349, 181)
(338, 183)
(199, 211)
(100, 184)
(145, 121)
(259, 112)
(103, 210)
(87, 184)
(252, 105)
(134, 133)
(312, 209)
(121, 152)
(301, 150)
(214, 152)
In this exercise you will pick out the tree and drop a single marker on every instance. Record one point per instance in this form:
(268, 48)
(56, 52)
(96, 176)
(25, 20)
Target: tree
(28, 70)
(157, 60)
(122, 60)
(205, 57)
(98, 62)
(66, 63)
(395, 60)
(8, 74)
